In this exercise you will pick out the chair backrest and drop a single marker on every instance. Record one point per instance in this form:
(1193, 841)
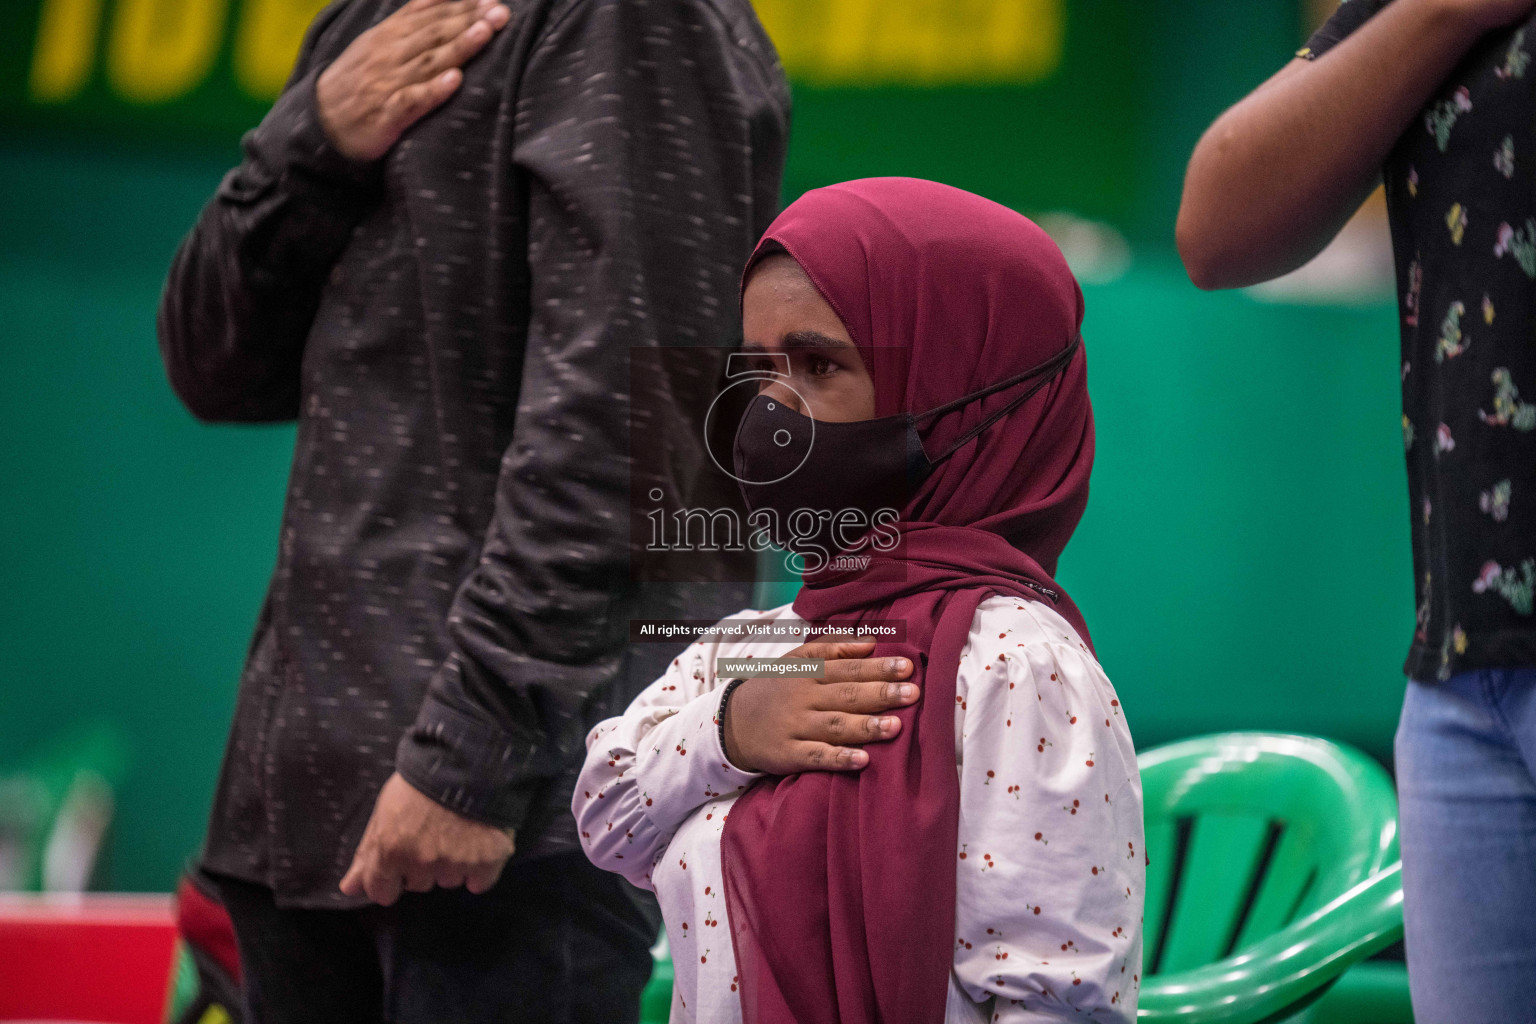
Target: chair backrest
(1246, 832)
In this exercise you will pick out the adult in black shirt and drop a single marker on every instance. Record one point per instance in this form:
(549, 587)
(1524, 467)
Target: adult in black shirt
(443, 244)
(1437, 99)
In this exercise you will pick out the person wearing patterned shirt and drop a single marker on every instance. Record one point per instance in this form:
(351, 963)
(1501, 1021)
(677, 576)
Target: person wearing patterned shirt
(982, 860)
(445, 240)
(1437, 100)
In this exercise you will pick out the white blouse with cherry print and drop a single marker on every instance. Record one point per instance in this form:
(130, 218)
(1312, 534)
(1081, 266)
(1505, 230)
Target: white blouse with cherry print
(1049, 870)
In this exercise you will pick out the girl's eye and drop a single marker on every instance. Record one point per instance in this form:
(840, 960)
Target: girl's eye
(821, 366)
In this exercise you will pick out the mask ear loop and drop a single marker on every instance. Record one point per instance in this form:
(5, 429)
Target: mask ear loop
(1050, 368)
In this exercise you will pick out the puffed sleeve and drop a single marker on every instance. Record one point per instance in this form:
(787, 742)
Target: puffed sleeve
(1050, 870)
(652, 766)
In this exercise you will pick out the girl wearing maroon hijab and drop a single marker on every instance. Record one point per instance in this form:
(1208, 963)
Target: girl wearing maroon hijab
(969, 846)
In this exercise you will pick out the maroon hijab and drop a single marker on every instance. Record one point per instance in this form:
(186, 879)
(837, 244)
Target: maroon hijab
(841, 887)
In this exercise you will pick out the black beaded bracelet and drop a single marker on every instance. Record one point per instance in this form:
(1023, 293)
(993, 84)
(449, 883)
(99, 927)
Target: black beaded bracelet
(725, 696)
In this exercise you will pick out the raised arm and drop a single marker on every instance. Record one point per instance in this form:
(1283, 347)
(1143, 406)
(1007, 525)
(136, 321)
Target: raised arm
(247, 280)
(1276, 176)
(650, 768)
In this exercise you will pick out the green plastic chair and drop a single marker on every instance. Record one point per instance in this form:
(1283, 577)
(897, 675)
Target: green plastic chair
(1273, 867)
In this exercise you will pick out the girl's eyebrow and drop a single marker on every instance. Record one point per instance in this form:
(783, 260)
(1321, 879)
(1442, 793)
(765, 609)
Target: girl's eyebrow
(814, 339)
(802, 340)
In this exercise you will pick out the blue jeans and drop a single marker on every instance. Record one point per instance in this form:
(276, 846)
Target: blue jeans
(1466, 780)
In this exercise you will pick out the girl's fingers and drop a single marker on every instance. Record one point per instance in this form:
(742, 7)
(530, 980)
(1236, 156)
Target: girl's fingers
(862, 698)
(814, 649)
(834, 727)
(859, 647)
(848, 659)
(824, 757)
(854, 670)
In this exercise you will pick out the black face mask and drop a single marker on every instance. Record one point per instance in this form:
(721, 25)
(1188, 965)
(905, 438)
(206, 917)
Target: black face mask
(838, 477)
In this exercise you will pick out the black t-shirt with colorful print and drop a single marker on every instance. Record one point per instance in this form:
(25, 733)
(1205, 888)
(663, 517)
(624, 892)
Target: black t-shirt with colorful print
(1461, 197)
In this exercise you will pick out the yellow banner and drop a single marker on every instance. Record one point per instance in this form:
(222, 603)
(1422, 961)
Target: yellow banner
(916, 42)
(155, 52)
(152, 52)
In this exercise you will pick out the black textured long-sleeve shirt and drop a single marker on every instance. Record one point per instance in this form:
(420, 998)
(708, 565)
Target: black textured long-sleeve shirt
(452, 329)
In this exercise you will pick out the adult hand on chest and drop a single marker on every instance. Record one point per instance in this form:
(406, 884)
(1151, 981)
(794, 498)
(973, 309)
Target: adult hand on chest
(784, 726)
(400, 70)
(413, 843)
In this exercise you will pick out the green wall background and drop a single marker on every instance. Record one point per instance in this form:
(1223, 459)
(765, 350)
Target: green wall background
(1244, 560)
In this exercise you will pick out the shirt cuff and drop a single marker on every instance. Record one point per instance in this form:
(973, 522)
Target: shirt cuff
(685, 765)
(469, 767)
